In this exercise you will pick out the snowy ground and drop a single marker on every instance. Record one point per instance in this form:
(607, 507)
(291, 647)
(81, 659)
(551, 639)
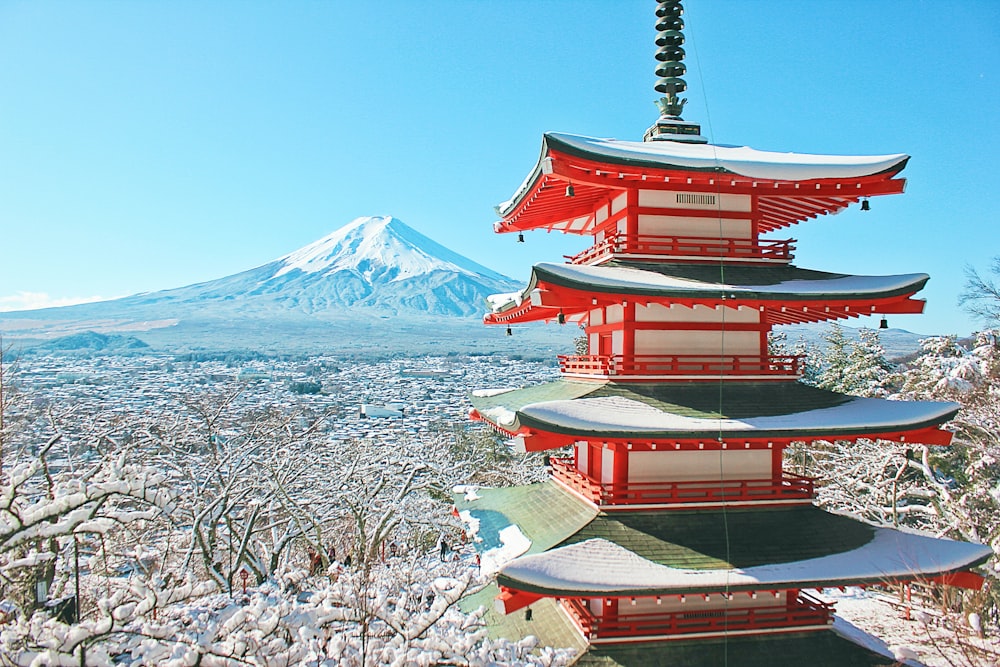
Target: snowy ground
(928, 638)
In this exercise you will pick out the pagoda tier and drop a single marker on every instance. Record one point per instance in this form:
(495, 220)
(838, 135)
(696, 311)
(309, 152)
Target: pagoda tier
(585, 185)
(780, 294)
(649, 576)
(663, 417)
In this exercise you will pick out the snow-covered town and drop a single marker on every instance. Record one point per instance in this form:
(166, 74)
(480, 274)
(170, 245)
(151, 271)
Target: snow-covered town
(245, 511)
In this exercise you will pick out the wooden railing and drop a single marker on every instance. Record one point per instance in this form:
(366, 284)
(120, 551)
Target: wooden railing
(682, 364)
(635, 244)
(801, 612)
(789, 487)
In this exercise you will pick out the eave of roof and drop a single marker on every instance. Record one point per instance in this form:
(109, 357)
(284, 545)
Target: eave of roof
(575, 550)
(692, 410)
(598, 567)
(784, 283)
(740, 161)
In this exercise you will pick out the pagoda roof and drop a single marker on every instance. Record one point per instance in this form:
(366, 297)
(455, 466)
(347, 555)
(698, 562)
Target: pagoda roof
(816, 649)
(791, 186)
(602, 567)
(706, 551)
(734, 410)
(574, 287)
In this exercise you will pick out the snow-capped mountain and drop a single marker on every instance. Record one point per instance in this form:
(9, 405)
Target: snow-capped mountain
(374, 274)
(373, 263)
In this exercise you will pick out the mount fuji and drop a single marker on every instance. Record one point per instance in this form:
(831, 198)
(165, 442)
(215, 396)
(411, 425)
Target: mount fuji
(375, 263)
(374, 275)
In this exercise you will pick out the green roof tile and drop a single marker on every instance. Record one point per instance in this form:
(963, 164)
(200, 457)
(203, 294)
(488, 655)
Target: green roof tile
(719, 539)
(548, 622)
(815, 649)
(545, 512)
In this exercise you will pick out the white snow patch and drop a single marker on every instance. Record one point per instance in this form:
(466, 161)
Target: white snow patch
(486, 393)
(617, 413)
(469, 491)
(597, 565)
(500, 415)
(513, 544)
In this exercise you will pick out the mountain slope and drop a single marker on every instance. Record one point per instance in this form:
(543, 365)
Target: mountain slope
(371, 269)
(373, 263)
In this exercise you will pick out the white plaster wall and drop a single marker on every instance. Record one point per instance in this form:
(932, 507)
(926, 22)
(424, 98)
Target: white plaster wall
(582, 452)
(617, 342)
(615, 313)
(596, 317)
(619, 202)
(715, 228)
(655, 312)
(697, 342)
(696, 603)
(607, 466)
(680, 466)
(601, 214)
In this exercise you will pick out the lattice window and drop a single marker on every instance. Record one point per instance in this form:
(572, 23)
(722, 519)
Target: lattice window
(689, 198)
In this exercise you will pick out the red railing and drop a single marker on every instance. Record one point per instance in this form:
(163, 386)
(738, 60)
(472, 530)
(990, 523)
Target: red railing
(682, 364)
(634, 244)
(803, 611)
(789, 487)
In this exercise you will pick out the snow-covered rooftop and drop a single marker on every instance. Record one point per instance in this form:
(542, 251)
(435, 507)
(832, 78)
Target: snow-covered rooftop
(740, 410)
(740, 160)
(618, 414)
(600, 566)
(736, 160)
(762, 282)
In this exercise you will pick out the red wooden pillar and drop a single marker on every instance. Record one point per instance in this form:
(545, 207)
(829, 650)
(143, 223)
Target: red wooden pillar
(594, 459)
(619, 475)
(777, 457)
(632, 213)
(610, 615)
(628, 330)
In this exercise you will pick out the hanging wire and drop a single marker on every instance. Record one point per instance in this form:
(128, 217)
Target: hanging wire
(722, 340)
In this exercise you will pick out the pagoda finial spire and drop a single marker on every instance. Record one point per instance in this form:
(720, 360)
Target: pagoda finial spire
(670, 69)
(669, 58)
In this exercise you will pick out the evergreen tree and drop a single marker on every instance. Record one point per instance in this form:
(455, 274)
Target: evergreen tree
(867, 372)
(833, 373)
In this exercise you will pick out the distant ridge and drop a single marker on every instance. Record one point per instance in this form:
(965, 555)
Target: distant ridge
(373, 274)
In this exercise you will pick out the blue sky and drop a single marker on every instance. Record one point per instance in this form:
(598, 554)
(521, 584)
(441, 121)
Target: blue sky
(149, 145)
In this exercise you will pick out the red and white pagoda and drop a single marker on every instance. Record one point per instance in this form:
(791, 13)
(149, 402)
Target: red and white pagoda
(669, 516)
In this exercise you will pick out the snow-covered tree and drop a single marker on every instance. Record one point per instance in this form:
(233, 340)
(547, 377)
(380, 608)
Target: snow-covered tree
(857, 368)
(868, 372)
(148, 521)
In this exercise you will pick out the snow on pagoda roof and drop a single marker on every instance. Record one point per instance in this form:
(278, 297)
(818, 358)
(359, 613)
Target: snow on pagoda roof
(692, 281)
(616, 414)
(737, 160)
(741, 160)
(598, 566)
(695, 410)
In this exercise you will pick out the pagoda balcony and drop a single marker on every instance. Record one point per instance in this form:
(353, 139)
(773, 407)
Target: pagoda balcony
(638, 366)
(623, 495)
(685, 248)
(803, 612)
